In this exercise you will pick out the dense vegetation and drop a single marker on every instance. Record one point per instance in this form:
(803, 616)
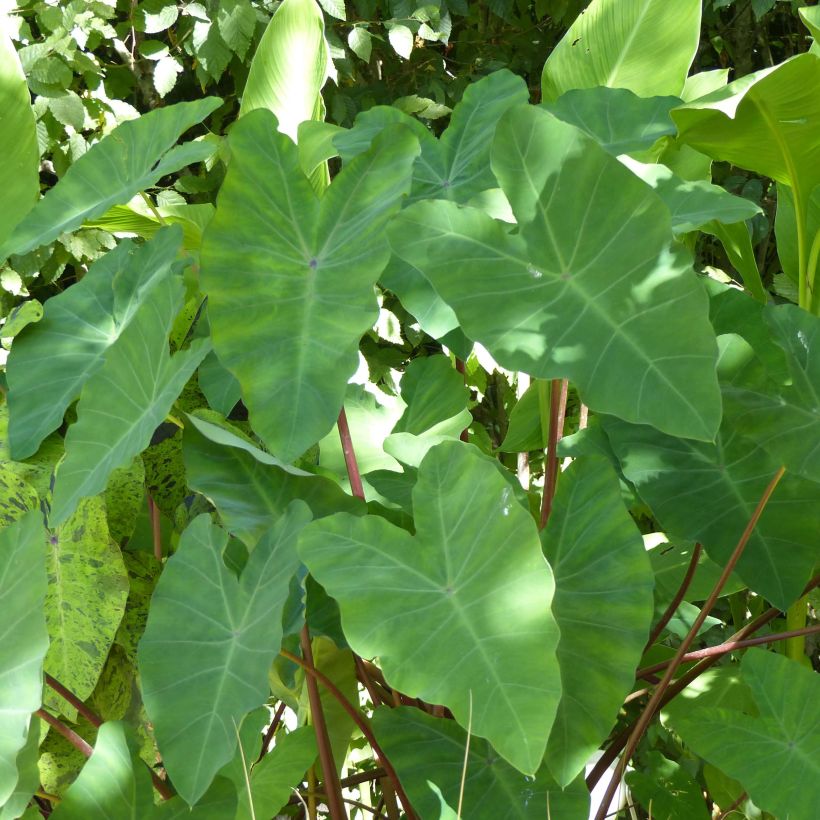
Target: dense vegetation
(410, 409)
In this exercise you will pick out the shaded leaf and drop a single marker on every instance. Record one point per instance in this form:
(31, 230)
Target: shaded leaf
(481, 581)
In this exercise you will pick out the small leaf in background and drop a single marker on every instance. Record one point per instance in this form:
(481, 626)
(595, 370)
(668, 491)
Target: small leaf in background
(28, 313)
(667, 789)
(335, 8)
(224, 635)
(87, 591)
(23, 641)
(425, 750)
(401, 38)
(237, 22)
(773, 750)
(359, 40)
(166, 71)
(153, 16)
(481, 578)
(68, 109)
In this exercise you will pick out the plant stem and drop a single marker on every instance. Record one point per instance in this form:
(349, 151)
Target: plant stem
(555, 430)
(334, 789)
(350, 456)
(69, 734)
(156, 527)
(583, 417)
(795, 621)
(465, 433)
(673, 607)
(657, 696)
(94, 719)
(724, 814)
(157, 215)
(359, 720)
(274, 725)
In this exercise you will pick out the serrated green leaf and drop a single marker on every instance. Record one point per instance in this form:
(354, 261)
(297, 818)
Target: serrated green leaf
(646, 46)
(401, 38)
(425, 750)
(593, 292)
(23, 640)
(481, 579)
(19, 173)
(775, 754)
(153, 16)
(321, 257)
(124, 401)
(359, 41)
(166, 71)
(68, 109)
(130, 159)
(237, 22)
(224, 640)
(83, 565)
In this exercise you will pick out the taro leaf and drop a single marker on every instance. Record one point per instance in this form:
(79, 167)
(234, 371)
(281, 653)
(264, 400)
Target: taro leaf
(775, 753)
(219, 386)
(434, 392)
(666, 789)
(617, 119)
(23, 638)
(87, 591)
(708, 492)
(426, 749)
(646, 46)
(124, 402)
(670, 563)
(277, 773)
(480, 579)
(133, 157)
(249, 487)
(124, 497)
(224, 636)
(27, 774)
(784, 415)
(307, 270)
(165, 469)
(592, 292)
(143, 572)
(19, 180)
(68, 345)
(525, 431)
(603, 605)
(290, 66)
(737, 242)
(16, 494)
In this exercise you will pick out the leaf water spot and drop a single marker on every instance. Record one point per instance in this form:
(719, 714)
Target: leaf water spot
(534, 272)
(445, 183)
(313, 263)
(449, 591)
(506, 504)
(566, 276)
(801, 337)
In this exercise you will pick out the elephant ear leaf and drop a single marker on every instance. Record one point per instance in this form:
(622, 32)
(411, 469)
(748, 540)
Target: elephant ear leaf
(290, 277)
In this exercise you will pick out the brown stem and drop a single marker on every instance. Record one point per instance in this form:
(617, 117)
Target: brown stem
(156, 529)
(334, 802)
(731, 646)
(657, 696)
(67, 694)
(558, 407)
(724, 814)
(362, 777)
(69, 734)
(274, 725)
(465, 433)
(676, 601)
(350, 456)
(358, 719)
(362, 675)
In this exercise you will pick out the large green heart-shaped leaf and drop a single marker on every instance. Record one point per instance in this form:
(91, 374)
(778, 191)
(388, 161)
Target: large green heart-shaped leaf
(290, 66)
(19, 179)
(130, 159)
(708, 492)
(591, 289)
(619, 120)
(290, 277)
(125, 401)
(475, 573)
(782, 414)
(221, 637)
(68, 345)
(23, 638)
(424, 749)
(775, 754)
(85, 565)
(646, 46)
(603, 613)
(766, 122)
(251, 488)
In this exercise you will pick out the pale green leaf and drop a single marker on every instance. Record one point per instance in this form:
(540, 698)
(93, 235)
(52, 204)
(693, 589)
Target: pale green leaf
(23, 639)
(646, 46)
(359, 42)
(221, 634)
(19, 177)
(666, 789)
(592, 291)
(306, 266)
(219, 386)
(28, 776)
(481, 580)
(166, 71)
(401, 38)
(237, 22)
(130, 159)
(290, 66)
